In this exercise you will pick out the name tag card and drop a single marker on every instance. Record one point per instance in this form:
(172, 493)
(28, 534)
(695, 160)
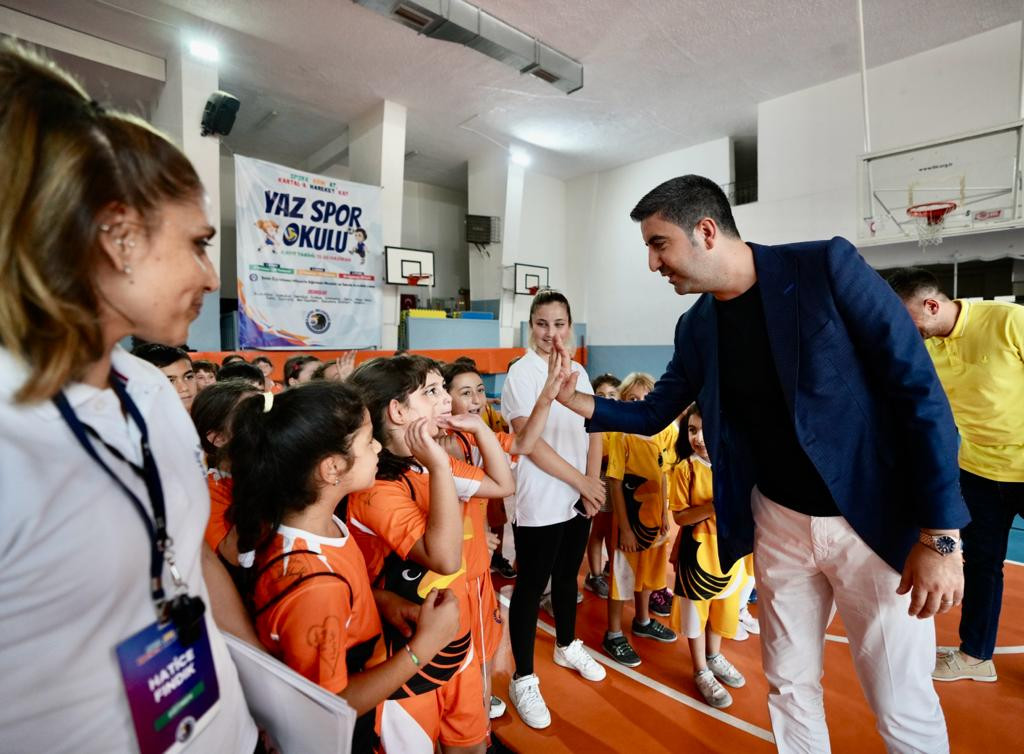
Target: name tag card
(172, 689)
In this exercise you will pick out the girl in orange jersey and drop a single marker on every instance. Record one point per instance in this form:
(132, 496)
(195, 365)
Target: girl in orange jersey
(707, 599)
(211, 413)
(466, 388)
(410, 528)
(295, 459)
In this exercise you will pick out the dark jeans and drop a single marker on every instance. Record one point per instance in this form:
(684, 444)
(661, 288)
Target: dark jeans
(542, 551)
(992, 506)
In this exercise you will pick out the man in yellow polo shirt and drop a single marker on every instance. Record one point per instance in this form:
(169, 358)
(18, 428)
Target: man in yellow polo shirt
(978, 351)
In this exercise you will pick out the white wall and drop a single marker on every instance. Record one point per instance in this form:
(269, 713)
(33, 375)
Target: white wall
(611, 287)
(809, 141)
(434, 218)
(487, 180)
(541, 240)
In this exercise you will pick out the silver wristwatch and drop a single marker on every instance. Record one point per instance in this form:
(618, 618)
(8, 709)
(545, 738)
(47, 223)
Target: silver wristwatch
(943, 544)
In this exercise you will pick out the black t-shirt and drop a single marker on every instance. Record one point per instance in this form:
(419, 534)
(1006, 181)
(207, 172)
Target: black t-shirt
(754, 404)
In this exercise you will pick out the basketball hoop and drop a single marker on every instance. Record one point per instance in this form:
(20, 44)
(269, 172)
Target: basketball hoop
(415, 279)
(533, 289)
(930, 218)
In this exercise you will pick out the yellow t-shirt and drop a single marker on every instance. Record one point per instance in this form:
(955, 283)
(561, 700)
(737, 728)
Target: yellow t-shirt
(640, 462)
(981, 367)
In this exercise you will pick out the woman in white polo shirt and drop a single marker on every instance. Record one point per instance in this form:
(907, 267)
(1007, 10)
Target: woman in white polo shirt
(558, 487)
(103, 500)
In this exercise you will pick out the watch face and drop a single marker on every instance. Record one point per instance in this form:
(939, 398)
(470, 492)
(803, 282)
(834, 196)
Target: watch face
(945, 544)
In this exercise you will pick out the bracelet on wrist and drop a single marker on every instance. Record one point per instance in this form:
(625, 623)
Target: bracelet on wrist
(412, 655)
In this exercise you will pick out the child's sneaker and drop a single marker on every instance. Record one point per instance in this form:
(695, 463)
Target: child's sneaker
(501, 566)
(575, 656)
(620, 650)
(749, 622)
(712, 691)
(497, 708)
(597, 585)
(660, 603)
(725, 671)
(654, 630)
(524, 693)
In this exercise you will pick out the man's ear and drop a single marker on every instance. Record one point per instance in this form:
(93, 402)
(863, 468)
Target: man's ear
(706, 233)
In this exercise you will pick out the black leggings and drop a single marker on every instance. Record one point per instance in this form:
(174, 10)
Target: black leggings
(554, 551)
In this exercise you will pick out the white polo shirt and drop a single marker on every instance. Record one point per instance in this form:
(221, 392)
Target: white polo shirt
(74, 564)
(541, 499)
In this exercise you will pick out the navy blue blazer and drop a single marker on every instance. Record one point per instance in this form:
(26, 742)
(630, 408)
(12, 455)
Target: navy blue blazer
(861, 389)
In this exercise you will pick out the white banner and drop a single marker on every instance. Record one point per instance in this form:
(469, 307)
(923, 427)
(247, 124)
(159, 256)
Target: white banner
(310, 259)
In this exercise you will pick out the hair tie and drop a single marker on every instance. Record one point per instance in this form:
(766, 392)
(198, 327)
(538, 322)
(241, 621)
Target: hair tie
(268, 401)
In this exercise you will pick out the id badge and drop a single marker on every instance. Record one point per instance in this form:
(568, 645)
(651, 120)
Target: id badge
(172, 689)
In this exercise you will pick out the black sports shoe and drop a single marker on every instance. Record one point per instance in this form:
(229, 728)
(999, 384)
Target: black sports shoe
(654, 630)
(501, 566)
(619, 649)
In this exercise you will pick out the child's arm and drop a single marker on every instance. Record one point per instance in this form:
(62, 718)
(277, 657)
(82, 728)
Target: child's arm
(627, 539)
(547, 460)
(225, 603)
(694, 514)
(526, 440)
(440, 547)
(498, 480)
(595, 451)
(438, 625)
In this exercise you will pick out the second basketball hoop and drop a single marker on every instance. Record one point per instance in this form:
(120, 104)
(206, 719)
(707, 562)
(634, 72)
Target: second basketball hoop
(930, 218)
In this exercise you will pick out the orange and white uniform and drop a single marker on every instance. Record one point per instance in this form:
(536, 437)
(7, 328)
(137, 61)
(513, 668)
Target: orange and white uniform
(441, 702)
(703, 593)
(639, 463)
(486, 613)
(219, 484)
(315, 611)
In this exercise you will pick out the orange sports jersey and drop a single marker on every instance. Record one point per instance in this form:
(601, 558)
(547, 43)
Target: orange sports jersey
(478, 559)
(640, 462)
(387, 521)
(219, 483)
(321, 626)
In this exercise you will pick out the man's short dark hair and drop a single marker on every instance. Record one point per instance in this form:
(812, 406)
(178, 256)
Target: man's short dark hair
(685, 201)
(161, 356)
(242, 370)
(231, 357)
(910, 282)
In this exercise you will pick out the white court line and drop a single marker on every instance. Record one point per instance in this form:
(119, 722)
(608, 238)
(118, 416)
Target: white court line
(671, 693)
(1011, 650)
(837, 639)
(1014, 562)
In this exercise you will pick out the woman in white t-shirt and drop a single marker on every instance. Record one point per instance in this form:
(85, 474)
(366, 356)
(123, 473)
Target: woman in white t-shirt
(558, 487)
(102, 235)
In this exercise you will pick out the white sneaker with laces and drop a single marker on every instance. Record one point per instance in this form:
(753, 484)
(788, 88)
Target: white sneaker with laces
(524, 693)
(749, 622)
(497, 708)
(576, 656)
(725, 671)
(713, 692)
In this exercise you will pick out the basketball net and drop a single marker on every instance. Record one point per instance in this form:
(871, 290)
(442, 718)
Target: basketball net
(930, 220)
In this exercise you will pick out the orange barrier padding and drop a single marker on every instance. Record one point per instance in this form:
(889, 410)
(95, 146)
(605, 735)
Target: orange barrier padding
(488, 360)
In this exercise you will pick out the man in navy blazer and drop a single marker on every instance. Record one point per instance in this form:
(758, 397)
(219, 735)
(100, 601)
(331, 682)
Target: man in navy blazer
(834, 452)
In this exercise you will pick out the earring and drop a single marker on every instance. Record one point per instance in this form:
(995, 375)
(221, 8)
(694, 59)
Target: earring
(104, 228)
(336, 482)
(127, 270)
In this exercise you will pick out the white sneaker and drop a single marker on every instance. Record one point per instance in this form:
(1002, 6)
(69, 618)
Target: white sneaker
(524, 693)
(575, 656)
(497, 708)
(741, 633)
(749, 622)
(712, 691)
(725, 671)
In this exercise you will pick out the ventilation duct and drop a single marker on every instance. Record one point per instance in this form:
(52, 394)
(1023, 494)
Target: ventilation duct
(463, 23)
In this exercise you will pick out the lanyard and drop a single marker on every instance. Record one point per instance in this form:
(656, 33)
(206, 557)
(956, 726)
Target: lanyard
(156, 528)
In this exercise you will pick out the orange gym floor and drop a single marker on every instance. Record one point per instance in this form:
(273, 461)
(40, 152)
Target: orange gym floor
(656, 707)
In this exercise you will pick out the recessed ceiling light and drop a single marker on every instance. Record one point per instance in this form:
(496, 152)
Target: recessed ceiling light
(204, 50)
(519, 156)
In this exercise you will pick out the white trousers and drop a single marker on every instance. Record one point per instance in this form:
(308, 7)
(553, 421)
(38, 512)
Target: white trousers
(803, 563)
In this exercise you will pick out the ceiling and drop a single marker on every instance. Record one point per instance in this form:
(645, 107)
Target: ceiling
(659, 74)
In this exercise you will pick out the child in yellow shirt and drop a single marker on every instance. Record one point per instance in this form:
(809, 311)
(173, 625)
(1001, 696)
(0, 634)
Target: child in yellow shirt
(706, 605)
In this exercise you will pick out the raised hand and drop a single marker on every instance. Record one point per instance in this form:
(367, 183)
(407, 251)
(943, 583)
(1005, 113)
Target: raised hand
(346, 364)
(423, 446)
